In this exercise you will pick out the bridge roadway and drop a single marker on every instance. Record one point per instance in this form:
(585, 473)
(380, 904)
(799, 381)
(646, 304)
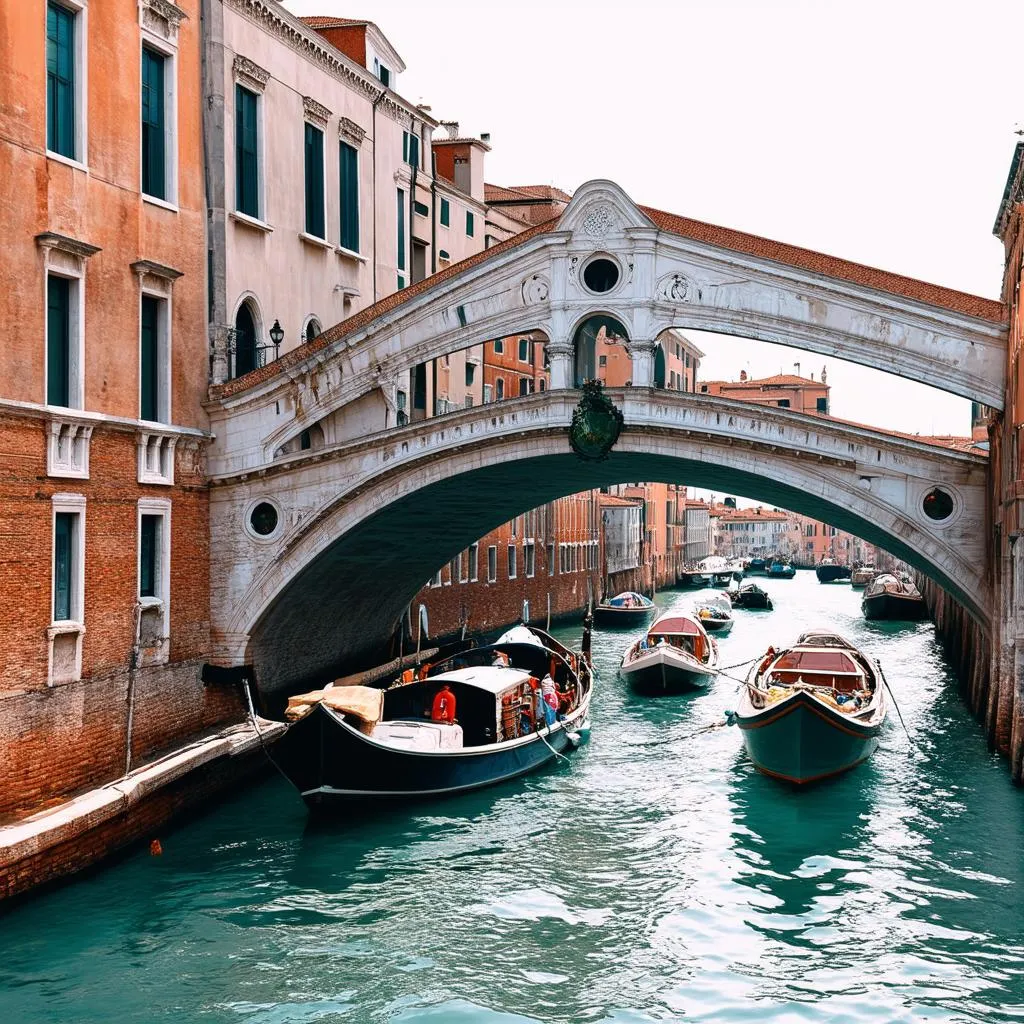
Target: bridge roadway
(363, 524)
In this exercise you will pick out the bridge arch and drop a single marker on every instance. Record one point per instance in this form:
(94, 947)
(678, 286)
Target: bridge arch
(370, 522)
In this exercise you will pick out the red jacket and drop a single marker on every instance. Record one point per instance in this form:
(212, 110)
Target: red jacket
(444, 707)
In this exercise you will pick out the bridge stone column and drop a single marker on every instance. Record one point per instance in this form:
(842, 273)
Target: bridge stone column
(560, 363)
(642, 355)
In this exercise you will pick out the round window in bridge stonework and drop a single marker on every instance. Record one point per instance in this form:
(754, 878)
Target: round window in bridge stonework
(937, 505)
(263, 519)
(600, 275)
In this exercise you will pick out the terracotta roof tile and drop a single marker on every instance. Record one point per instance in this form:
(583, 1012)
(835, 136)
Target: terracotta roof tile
(616, 501)
(318, 21)
(499, 193)
(830, 266)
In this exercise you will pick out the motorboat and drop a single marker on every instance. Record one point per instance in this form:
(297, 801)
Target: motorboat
(717, 570)
(676, 655)
(715, 614)
(830, 571)
(779, 570)
(626, 609)
(691, 576)
(889, 597)
(750, 595)
(812, 710)
(350, 743)
(862, 576)
(757, 567)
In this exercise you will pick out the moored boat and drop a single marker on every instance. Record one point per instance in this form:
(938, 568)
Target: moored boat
(676, 655)
(889, 597)
(813, 710)
(757, 567)
(829, 571)
(715, 614)
(780, 570)
(862, 576)
(355, 742)
(693, 577)
(625, 609)
(750, 595)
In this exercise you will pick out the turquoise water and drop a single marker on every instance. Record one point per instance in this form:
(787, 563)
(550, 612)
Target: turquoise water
(656, 877)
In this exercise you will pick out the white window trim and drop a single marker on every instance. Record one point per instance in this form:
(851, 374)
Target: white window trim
(76, 357)
(526, 558)
(75, 504)
(165, 320)
(512, 563)
(474, 562)
(170, 52)
(492, 578)
(340, 249)
(160, 507)
(250, 84)
(80, 161)
(307, 236)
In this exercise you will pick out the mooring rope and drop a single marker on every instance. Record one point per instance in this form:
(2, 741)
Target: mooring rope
(910, 737)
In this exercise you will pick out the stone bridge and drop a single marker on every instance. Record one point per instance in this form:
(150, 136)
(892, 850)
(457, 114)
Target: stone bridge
(353, 526)
(360, 526)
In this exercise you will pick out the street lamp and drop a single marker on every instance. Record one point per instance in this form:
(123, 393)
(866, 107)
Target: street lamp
(277, 336)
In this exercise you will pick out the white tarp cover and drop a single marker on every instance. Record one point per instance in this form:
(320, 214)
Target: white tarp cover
(363, 702)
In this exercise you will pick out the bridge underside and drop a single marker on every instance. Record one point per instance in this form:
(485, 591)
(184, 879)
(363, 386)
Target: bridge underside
(339, 613)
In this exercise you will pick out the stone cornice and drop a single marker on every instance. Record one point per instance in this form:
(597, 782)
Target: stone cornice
(143, 267)
(350, 131)
(274, 20)
(162, 17)
(250, 73)
(315, 112)
(64, 243)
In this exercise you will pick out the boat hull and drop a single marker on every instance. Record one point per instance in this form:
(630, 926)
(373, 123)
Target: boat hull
(833, 573)
(622, 618)
(659, 672)
(719, 626)
(897, 607)
(332, 764)
(782, 574)
(802, 740)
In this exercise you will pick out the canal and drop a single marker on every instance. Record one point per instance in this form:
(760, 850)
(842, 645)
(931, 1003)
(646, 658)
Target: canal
(656, 877)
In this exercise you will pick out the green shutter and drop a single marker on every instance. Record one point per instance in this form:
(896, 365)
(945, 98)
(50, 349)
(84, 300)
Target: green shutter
(149, 375)
(60, 80)
(58, 341)
(149, 536)
(349, 175)
(446, 213)
(401, 230)
(469, 223)
(246, 153)
(153, 138)
(63, 536)
(314, 181)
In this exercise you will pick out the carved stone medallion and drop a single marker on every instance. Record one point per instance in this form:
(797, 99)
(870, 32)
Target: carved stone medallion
(675, 288)
(535, 290)
(598, 222)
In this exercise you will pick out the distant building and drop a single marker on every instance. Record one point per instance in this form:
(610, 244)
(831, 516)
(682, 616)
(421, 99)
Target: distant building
(698, 531)
(753, 533)
(784, 391)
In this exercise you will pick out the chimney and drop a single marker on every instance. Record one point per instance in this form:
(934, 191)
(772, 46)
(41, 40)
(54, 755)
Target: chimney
(452, 128)
(743, 375)
(485, 137)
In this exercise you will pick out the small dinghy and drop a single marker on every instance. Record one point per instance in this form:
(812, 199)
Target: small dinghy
(750, 595)
(715, 614)
(676, 655)
(626, 609)
(889, 597)
(812, 710)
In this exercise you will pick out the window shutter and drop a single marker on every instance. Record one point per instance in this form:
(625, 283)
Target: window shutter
(62, 538)
(58, 341)
(60, 80)
(349, 173)
(314, 181)
(246, 153)
(153, 140)
(149, 358)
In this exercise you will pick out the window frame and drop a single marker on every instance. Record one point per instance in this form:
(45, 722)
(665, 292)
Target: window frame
(344, 237)
(470, 224)
(76, 337)
(74, 505)
(400, 230)
(158, 508)
(492, 563)
(309, 218)
(474, 562)
(446, 213)
(169, 54)
(79, 11)
(163, 353)
(529, 559)
(261, 213)
(512, 564)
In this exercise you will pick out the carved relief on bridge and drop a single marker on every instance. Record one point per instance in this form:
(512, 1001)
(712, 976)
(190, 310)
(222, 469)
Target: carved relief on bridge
(535, 289)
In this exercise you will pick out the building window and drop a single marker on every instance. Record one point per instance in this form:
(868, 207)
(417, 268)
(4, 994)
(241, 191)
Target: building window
(61, 84)
(455, 568)
(511, 561)
(821, 405)
(470, 226)
(524, 350)
(149, 555)
(60, 293)
(314, 153)
(524, 386)
(348, 162)
(541, 383)
(464, 572)
(470, 374)
(602, 360)
(411, 149)
(530, 558)
(401, 233)
(474, 558)
(499, 347)
(401, 415)
(488, 393)
(154, 124)
(783, 403)
(499, 388)
(492, 564)
(247, 166)
(383, 73)
(154, 528)
(436, 579)
(446, 213)
(551, 559)
(65, 565)
(153, 347)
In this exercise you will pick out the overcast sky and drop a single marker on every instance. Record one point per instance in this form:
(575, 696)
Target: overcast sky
(879, 132)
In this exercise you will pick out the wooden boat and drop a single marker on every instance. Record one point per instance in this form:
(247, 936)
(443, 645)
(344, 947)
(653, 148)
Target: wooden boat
(676, 655)
(715, 614)
(829, 571)
(862, 576)
(384, 745)
(779, 570)
(692, 577)
(757, 567)
(625, 609)
(813, 710)
(889, 597)
(750, 595)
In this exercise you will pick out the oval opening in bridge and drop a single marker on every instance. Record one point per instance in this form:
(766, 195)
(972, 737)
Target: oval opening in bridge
(263, 519)
(600, 275)
(938, 505)
(600, 349)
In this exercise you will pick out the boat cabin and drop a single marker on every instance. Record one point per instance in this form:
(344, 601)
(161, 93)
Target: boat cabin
(682, 632)
(833, 669)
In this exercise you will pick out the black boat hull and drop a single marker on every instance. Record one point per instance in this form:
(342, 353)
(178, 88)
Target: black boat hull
(896, 607)
(622, 618)
(332, 764)
(833, 573)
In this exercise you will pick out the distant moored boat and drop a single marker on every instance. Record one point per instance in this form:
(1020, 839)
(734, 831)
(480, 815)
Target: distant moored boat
(829, 571)
(889, 597)
(625, 609)
(676, 655)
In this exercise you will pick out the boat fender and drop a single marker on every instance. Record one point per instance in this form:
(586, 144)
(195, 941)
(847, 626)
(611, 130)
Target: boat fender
(730, 718)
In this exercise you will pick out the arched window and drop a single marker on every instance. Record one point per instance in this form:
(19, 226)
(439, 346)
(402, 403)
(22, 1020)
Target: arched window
(499, 388)
(313, 328)
(659, 366)
(245, 340)
(596, 332)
